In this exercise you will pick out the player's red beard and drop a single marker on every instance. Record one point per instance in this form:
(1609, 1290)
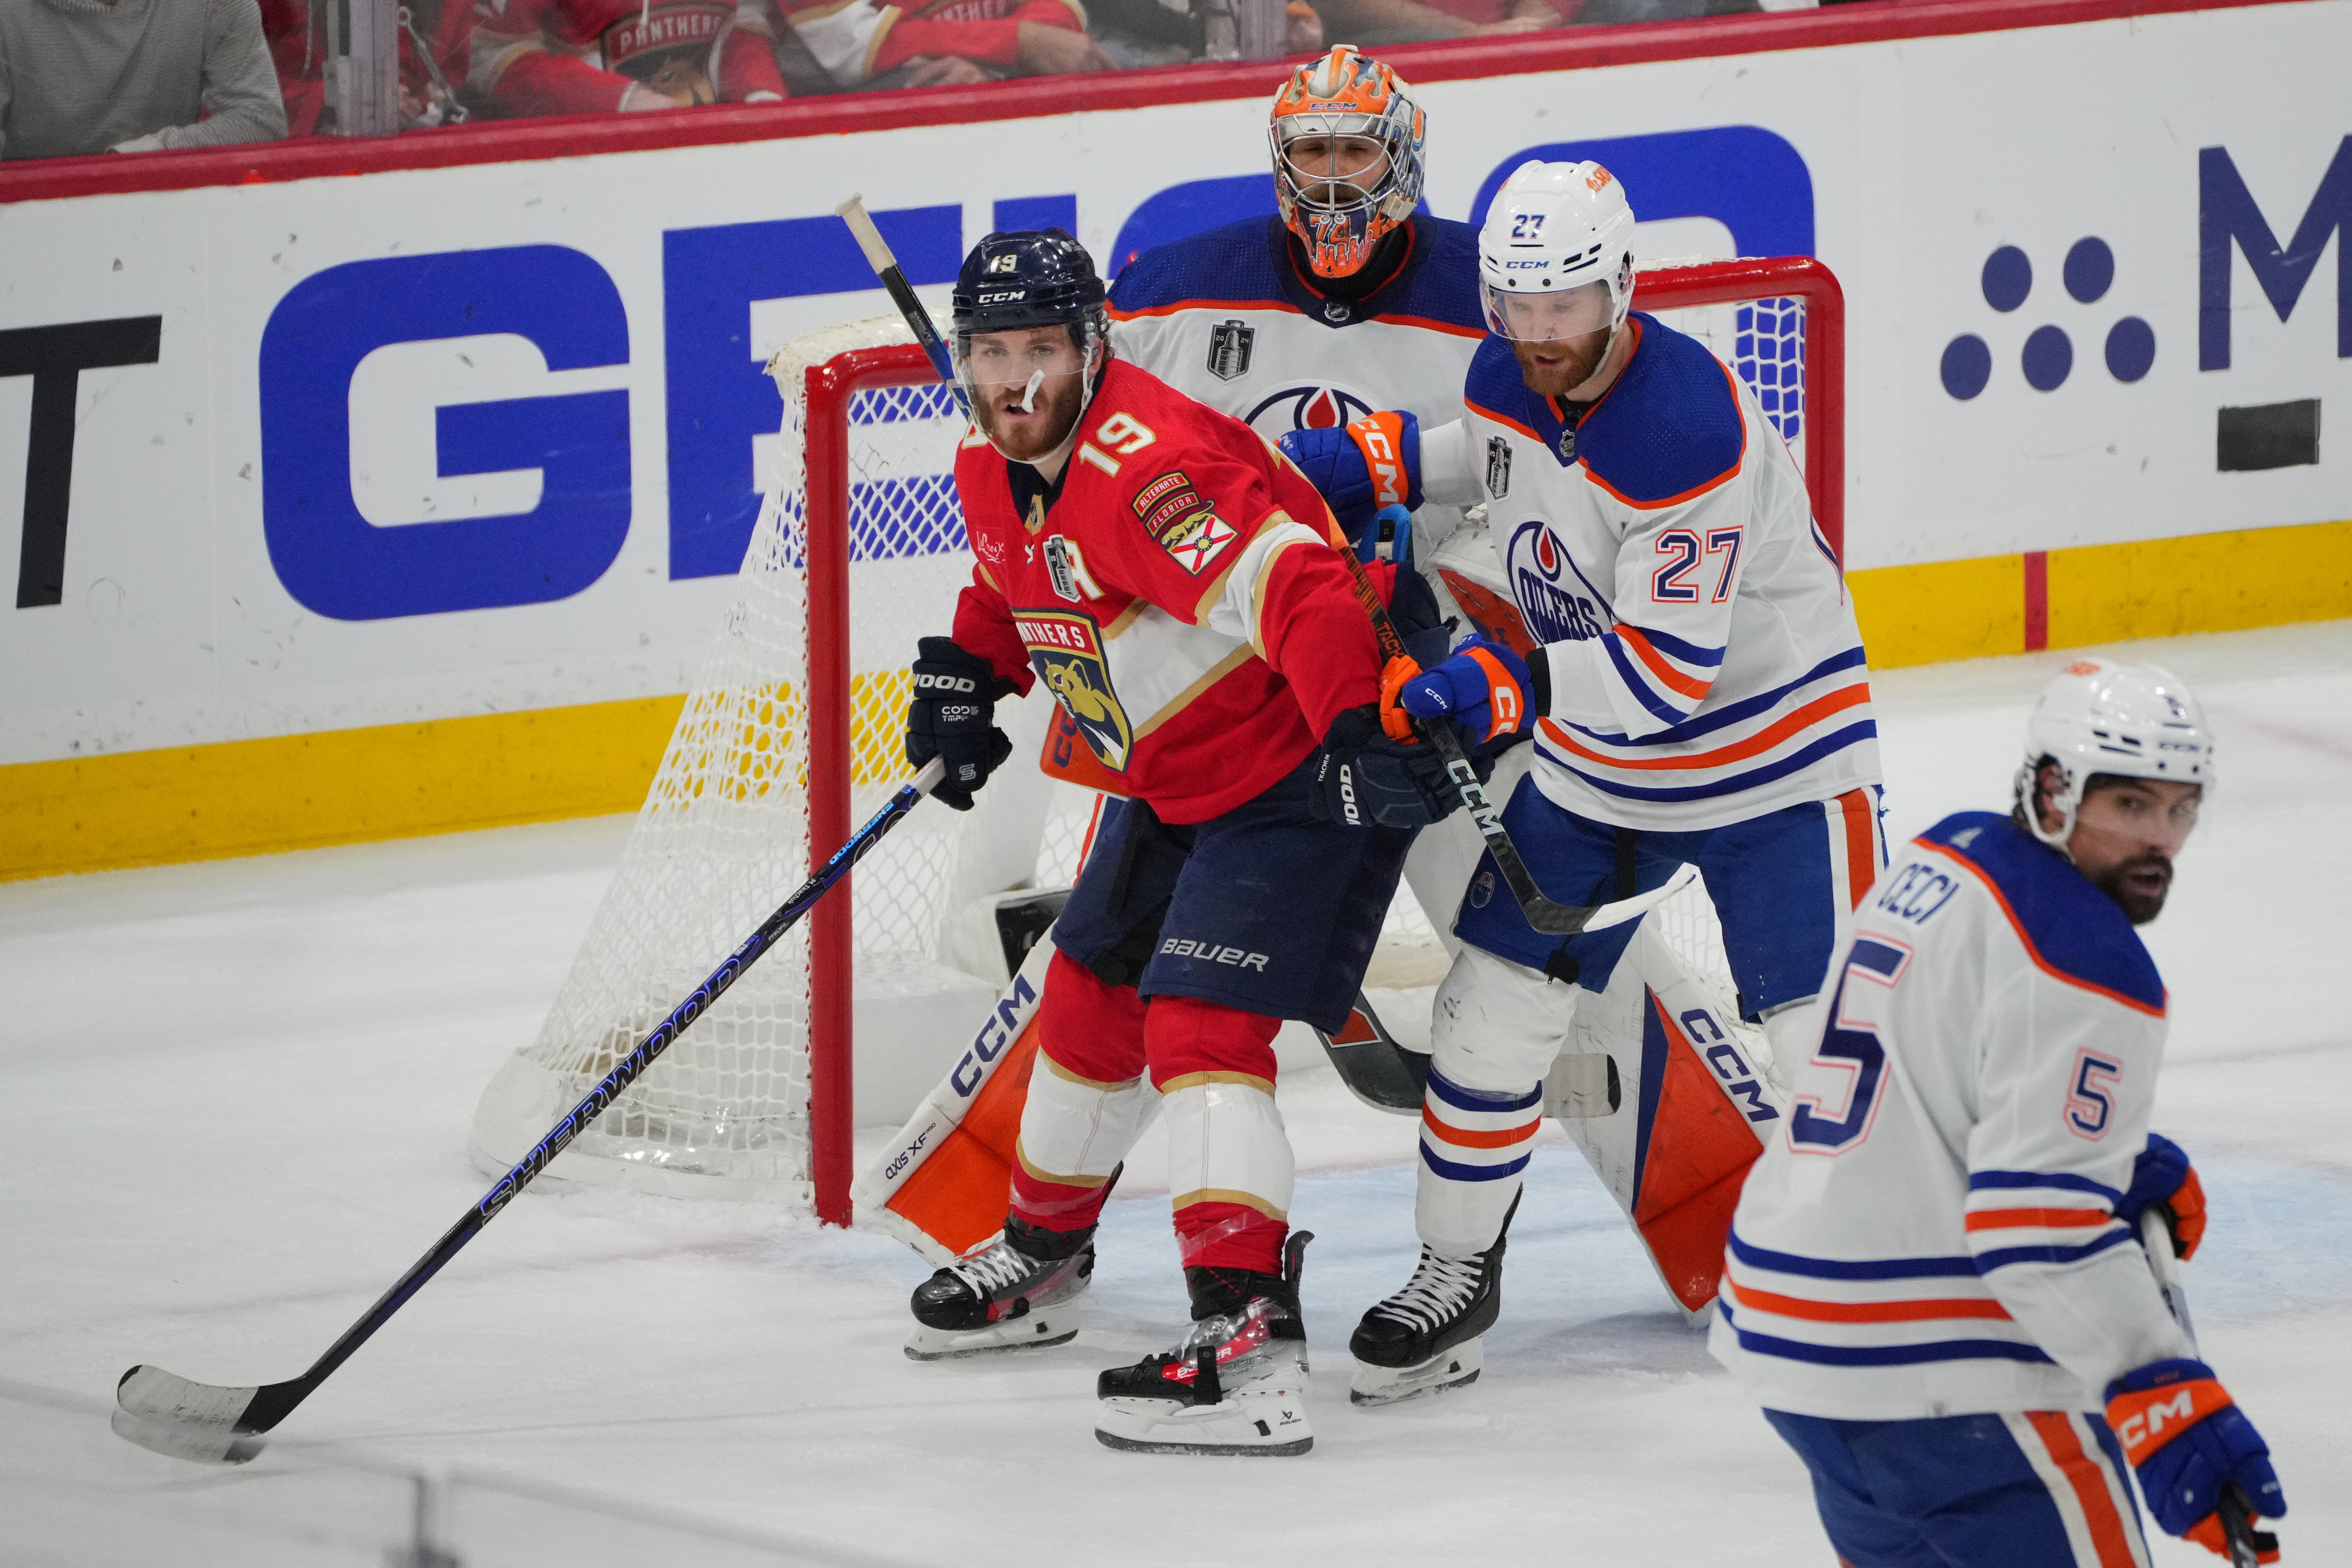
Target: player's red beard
(2139, 886)
(1558, 367)
(1025, 438)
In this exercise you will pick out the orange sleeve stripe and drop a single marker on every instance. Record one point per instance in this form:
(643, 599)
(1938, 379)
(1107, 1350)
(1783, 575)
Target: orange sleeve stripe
(1866, 1312)
(1861, 840)
(1674, 680)
(2041, 1219)
(1764, 740)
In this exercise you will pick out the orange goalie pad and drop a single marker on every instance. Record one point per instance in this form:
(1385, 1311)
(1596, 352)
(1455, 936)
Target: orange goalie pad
(1695, 1148)
(957, 1196)
(1067, 757)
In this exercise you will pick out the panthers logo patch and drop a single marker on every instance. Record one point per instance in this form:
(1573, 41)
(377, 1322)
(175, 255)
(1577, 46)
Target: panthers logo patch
(1067, 652)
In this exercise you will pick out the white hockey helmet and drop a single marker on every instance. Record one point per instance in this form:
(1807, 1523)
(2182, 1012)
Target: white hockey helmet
(2106, 716)
(1556, 256)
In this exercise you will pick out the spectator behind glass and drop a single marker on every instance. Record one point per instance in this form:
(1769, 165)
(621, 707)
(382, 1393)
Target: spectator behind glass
(134, 76)
(589, 56)
(433, 44)
(1410, 21)
(863, 43)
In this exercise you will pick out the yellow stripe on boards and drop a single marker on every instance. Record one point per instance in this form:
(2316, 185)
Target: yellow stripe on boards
(2106, 592)
(337, 786)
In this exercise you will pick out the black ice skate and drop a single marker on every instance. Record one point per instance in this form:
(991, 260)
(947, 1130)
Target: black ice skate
(1236, 1382)
(1427, 1337)
(1019, 1291)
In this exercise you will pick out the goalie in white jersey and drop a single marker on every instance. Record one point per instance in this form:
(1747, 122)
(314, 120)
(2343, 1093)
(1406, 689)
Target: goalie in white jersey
(1697, 694)
(1932, 1283)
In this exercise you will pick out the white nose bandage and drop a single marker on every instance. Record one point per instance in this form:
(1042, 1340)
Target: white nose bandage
(1029, 393)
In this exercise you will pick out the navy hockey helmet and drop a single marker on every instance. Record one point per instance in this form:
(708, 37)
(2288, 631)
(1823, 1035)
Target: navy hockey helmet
(1013, 281)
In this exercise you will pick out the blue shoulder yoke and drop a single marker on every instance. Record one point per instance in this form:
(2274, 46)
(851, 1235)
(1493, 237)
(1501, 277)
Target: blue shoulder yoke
(2069, 926)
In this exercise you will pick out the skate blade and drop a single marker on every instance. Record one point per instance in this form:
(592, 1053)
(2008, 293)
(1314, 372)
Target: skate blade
(1457, 1368)
(1033, 1330)
(1271, 1423)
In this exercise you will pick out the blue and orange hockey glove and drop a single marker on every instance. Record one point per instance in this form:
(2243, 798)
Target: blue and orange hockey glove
(1484, 688)
(1370, 464)
(2188, 1440)
(2163, 1175)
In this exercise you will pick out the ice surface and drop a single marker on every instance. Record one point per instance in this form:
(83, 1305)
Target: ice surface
(238, 1108)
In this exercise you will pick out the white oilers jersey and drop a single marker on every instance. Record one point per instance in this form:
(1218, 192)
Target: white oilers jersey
(1224, 317)
(1704, 663)
(1932, 1234)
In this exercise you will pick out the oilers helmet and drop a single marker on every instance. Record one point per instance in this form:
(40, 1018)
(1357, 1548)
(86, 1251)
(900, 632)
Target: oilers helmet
(1343, 95)
(2107, 716)
(1556, 253)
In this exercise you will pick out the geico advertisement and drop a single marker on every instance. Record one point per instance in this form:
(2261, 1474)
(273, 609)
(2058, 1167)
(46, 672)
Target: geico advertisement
(418, 445)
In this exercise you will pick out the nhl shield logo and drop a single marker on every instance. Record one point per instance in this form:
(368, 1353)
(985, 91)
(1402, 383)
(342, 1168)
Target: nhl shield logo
(1067, 652)
(1498, 467)
(1568, 444)
(1230, 343)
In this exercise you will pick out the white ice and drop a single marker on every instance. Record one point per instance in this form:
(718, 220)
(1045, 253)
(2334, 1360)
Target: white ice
(236, 1107)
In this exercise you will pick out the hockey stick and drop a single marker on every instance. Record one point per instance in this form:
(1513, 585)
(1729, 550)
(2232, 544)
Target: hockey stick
(902, 294)
(172, 1415)
(2246, 1543)
(1542, 913)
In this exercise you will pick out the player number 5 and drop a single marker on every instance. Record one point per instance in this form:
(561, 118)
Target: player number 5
(1850, 1044)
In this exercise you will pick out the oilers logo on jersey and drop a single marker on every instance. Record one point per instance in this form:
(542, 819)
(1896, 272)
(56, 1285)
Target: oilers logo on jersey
(1547, 582)
(1231, 345)
(1067, 651)
(1312, 407)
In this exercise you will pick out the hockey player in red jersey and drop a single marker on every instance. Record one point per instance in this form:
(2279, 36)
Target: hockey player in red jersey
(1173, 581)
(1933, 1283)
(589, 56)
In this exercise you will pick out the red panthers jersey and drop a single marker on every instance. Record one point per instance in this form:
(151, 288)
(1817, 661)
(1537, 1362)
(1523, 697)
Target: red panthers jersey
(1177, 591)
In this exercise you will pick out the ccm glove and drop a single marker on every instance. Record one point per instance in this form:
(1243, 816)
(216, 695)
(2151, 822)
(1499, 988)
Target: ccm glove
(1364, 778)
(2163, 1175)
(1484, 688)
(1373, 463)
(951, 717)
(2188, 1440)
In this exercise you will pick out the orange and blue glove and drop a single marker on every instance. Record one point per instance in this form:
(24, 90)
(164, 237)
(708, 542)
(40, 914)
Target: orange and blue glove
(2163, 1175)
(1484, 688)
(1360, 467)
(2188, 1440)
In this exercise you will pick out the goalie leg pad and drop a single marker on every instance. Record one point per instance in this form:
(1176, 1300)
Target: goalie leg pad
(1229, 1161)
(1494, 1031)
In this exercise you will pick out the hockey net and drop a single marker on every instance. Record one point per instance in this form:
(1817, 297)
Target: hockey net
(792, 733)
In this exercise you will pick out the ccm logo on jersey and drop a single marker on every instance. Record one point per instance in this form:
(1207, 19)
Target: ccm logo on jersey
(1198, 540)
(1001, 1028)
(1210, 952)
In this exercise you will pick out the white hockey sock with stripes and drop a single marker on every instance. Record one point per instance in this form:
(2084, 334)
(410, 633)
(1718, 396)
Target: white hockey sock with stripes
(1495, 1029)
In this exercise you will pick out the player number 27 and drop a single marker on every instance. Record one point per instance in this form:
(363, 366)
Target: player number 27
(1849, 1045)
(1670, 584)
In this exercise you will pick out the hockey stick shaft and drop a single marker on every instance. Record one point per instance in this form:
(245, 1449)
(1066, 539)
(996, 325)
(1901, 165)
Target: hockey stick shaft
(270, 1405)
(902, 293)
(2236, 1509)
(1541, 912)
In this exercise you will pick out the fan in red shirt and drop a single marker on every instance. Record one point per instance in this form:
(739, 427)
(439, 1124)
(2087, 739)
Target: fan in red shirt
(592, 56)
(870, 43)
(1173, 581)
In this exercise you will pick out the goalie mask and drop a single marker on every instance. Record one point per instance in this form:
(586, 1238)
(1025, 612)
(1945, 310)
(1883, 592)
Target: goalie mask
(2104, 716)
(1008, 286)
(1555, 254)
(1347, 140)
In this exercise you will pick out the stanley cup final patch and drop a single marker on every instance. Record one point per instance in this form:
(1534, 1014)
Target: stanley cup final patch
(1230, 343)
(1498, 467)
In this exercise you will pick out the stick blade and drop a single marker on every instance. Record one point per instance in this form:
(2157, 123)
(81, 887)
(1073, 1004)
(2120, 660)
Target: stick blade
(199, 1421)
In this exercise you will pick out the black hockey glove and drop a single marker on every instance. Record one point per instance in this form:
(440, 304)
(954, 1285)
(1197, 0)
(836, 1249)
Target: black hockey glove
(1363, 778)
(950, 717)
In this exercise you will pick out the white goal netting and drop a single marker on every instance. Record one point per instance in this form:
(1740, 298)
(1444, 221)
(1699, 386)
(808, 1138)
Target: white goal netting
(723, 836)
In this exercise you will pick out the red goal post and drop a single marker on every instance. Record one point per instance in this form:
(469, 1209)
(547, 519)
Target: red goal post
(1817, 369)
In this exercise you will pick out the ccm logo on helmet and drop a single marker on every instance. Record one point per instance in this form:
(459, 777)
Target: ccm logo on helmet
(1005, 296)
(1526, 266)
